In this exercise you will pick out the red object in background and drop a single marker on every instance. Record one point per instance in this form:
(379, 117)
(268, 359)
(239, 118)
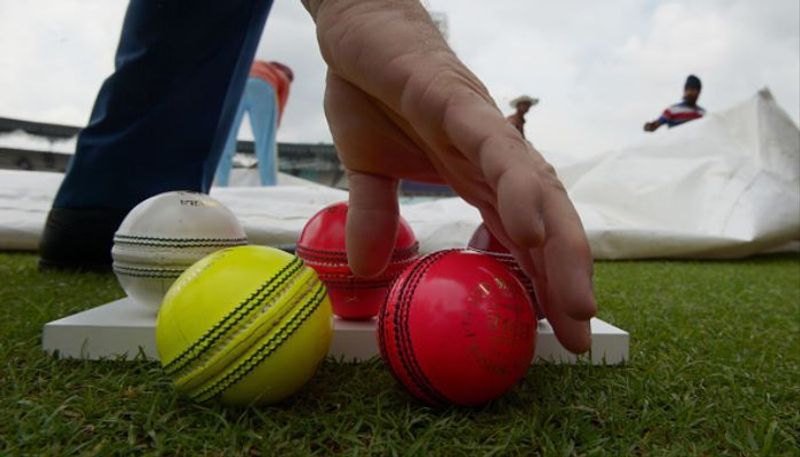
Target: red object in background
(458, 328)
(484, 241)
(278, 76)
(322, 247)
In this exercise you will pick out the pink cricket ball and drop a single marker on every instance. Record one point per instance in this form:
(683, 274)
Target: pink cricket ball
(457, 327)
(484, 241)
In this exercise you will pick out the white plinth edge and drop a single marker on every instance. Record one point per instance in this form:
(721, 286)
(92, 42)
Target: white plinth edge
(124, 329)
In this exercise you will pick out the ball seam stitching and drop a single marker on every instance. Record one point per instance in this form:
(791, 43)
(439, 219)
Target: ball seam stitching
(410, 361)
(246, 366)
(197, 349)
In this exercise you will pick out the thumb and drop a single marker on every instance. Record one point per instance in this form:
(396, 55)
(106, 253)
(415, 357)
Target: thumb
(372, 221)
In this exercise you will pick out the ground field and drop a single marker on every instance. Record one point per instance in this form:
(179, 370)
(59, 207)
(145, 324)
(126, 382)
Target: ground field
(714, 369)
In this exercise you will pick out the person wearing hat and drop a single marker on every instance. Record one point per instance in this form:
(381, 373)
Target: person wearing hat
(685, 111)
(522, 104)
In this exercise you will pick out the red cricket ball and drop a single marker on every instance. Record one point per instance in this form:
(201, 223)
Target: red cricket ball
(484, 241)
(457, 327)
(322, 247)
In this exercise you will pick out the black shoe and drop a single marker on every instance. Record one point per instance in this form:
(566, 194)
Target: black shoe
(79, 239)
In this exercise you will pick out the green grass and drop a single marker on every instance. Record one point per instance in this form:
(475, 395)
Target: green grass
(713, 371)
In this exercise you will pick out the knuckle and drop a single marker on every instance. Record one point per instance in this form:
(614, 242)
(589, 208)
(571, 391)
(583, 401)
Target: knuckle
(549, 177)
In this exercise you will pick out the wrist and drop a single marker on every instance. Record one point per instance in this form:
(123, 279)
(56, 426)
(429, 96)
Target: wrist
(358, 37)
(312, 6)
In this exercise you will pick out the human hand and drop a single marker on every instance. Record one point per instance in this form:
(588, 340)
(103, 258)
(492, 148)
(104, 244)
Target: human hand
(402, 106)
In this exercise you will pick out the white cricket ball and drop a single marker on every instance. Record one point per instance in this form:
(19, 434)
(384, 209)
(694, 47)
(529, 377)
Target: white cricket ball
(164, 235)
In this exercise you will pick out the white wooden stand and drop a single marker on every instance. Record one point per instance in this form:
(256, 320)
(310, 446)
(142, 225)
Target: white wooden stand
(124, 329)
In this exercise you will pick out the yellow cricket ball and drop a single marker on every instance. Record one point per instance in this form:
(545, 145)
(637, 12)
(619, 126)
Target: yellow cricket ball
(248, 325)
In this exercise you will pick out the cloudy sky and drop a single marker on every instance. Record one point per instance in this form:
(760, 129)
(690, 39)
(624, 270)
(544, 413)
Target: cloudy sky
(601, 69)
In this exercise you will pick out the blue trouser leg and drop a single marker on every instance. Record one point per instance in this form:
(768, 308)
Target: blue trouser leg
(263, 108)
(161, 119)
(223, 173)
(260, 102)
(159, 122)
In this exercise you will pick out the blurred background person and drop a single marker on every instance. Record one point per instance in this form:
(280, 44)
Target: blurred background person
(264, 100)
(522, 105)
(685, 111)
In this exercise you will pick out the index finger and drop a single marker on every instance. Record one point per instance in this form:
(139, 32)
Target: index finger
(565, 260)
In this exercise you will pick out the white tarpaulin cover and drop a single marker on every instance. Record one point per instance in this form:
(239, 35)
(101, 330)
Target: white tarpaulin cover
(727, 185)
(724, 186)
